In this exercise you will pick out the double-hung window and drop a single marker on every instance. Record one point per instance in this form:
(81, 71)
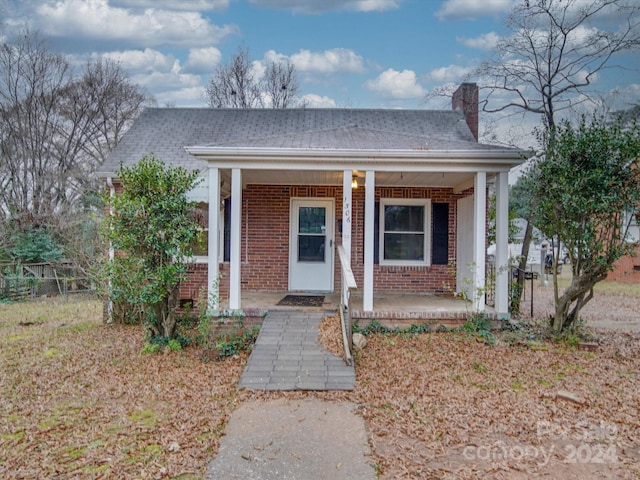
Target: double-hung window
(405, 231)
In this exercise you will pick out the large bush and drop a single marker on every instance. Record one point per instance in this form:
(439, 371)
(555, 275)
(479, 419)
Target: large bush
(150, 229)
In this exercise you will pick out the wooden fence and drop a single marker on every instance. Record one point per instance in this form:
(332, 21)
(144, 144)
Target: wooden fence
(22, 280)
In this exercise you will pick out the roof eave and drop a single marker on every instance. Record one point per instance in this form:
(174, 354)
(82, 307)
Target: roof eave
(249, 155)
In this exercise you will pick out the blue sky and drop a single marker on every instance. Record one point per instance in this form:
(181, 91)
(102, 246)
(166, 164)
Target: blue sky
(348, 53)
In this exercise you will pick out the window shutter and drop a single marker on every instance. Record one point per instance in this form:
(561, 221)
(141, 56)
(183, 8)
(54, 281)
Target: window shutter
(440, 234)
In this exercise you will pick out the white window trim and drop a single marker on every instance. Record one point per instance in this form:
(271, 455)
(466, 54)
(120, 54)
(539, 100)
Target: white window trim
(202, 259)
(426, 203)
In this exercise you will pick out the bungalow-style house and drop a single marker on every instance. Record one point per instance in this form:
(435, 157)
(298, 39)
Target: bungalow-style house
(399, 195)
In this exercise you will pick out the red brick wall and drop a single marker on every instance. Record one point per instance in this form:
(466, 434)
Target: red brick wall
(627, 269)
(265, 242)
(465, 98)
(431, 279)
(265, 238)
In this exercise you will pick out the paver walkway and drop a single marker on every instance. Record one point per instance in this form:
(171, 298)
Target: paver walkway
(287, 356)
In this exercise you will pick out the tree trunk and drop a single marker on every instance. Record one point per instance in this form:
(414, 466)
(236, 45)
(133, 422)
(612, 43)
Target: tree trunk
(168, 321)
(577, 295)
(522, 265)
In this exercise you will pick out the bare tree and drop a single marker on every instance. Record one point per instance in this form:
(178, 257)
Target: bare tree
(238, 84)
(32, 80)
(281, 84)
(555, 50)
(234, 84)
(55, 128)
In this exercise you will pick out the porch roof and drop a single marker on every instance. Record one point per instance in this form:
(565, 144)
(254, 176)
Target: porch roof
(178, 136)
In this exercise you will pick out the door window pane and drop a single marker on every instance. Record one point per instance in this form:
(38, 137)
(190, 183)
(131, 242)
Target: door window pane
(311, 248)
(312, 220)
(311, 234)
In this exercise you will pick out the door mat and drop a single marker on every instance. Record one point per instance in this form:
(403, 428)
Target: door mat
(302, 301)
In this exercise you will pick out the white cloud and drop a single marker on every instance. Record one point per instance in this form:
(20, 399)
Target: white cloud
(617, 99)
(202, 60)
(486, 42)
(142, 60)
(258, 69)
(328, 62)
(193, 5)
(162, 75)
(173, 79)
(275, 57)
(97, 20)
(319, 6)
(183, 97)
(452, 73)
(472, 9)
(311, 100)
(394, 84)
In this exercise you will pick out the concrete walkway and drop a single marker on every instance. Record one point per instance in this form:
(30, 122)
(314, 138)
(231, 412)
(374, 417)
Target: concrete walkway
(293, 440)
(287, 356)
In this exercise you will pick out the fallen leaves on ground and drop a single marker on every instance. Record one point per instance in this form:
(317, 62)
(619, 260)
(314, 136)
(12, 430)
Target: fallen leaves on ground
(330, 335)
(445, 406)
(78, 400)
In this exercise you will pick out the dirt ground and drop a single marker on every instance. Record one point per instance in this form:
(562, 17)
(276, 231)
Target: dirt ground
(614, 306)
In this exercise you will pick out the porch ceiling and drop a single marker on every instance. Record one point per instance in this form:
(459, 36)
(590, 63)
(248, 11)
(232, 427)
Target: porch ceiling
(391, 179)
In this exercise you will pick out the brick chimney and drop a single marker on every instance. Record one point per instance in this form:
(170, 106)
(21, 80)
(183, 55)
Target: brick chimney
(465, 98)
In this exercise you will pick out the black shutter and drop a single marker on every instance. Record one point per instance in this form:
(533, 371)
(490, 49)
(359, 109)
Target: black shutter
(440, 234)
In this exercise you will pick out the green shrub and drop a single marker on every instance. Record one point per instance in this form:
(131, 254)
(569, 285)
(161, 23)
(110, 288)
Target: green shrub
(174, 345)
(480, 325)
(225, 336)
(150, 348)
(374, 326)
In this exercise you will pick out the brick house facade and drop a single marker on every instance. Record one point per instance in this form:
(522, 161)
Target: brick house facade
(265, 243)
(403, 192)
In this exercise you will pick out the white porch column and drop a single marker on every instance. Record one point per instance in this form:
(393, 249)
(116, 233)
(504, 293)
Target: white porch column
(213, 287)
(369, 206)
(347, 198)
(236, 231)
(502, 246)
(479, 238)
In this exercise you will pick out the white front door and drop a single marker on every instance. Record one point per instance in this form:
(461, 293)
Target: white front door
(311, 249)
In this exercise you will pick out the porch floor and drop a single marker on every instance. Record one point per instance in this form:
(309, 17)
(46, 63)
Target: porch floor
(392, 308)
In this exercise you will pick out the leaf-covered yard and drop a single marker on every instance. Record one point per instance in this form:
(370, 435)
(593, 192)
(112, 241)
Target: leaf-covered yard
(79, 400)
(446, 406)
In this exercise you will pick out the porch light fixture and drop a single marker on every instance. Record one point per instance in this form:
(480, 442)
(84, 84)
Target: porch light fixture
(354, 182)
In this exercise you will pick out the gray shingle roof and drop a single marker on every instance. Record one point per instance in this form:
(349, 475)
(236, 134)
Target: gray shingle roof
(166, 131)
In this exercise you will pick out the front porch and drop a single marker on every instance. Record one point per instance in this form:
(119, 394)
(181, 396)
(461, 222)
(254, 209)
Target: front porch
(390, 309)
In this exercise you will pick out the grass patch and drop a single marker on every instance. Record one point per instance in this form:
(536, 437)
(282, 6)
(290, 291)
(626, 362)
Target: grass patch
(51, 352)
(145, 417)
